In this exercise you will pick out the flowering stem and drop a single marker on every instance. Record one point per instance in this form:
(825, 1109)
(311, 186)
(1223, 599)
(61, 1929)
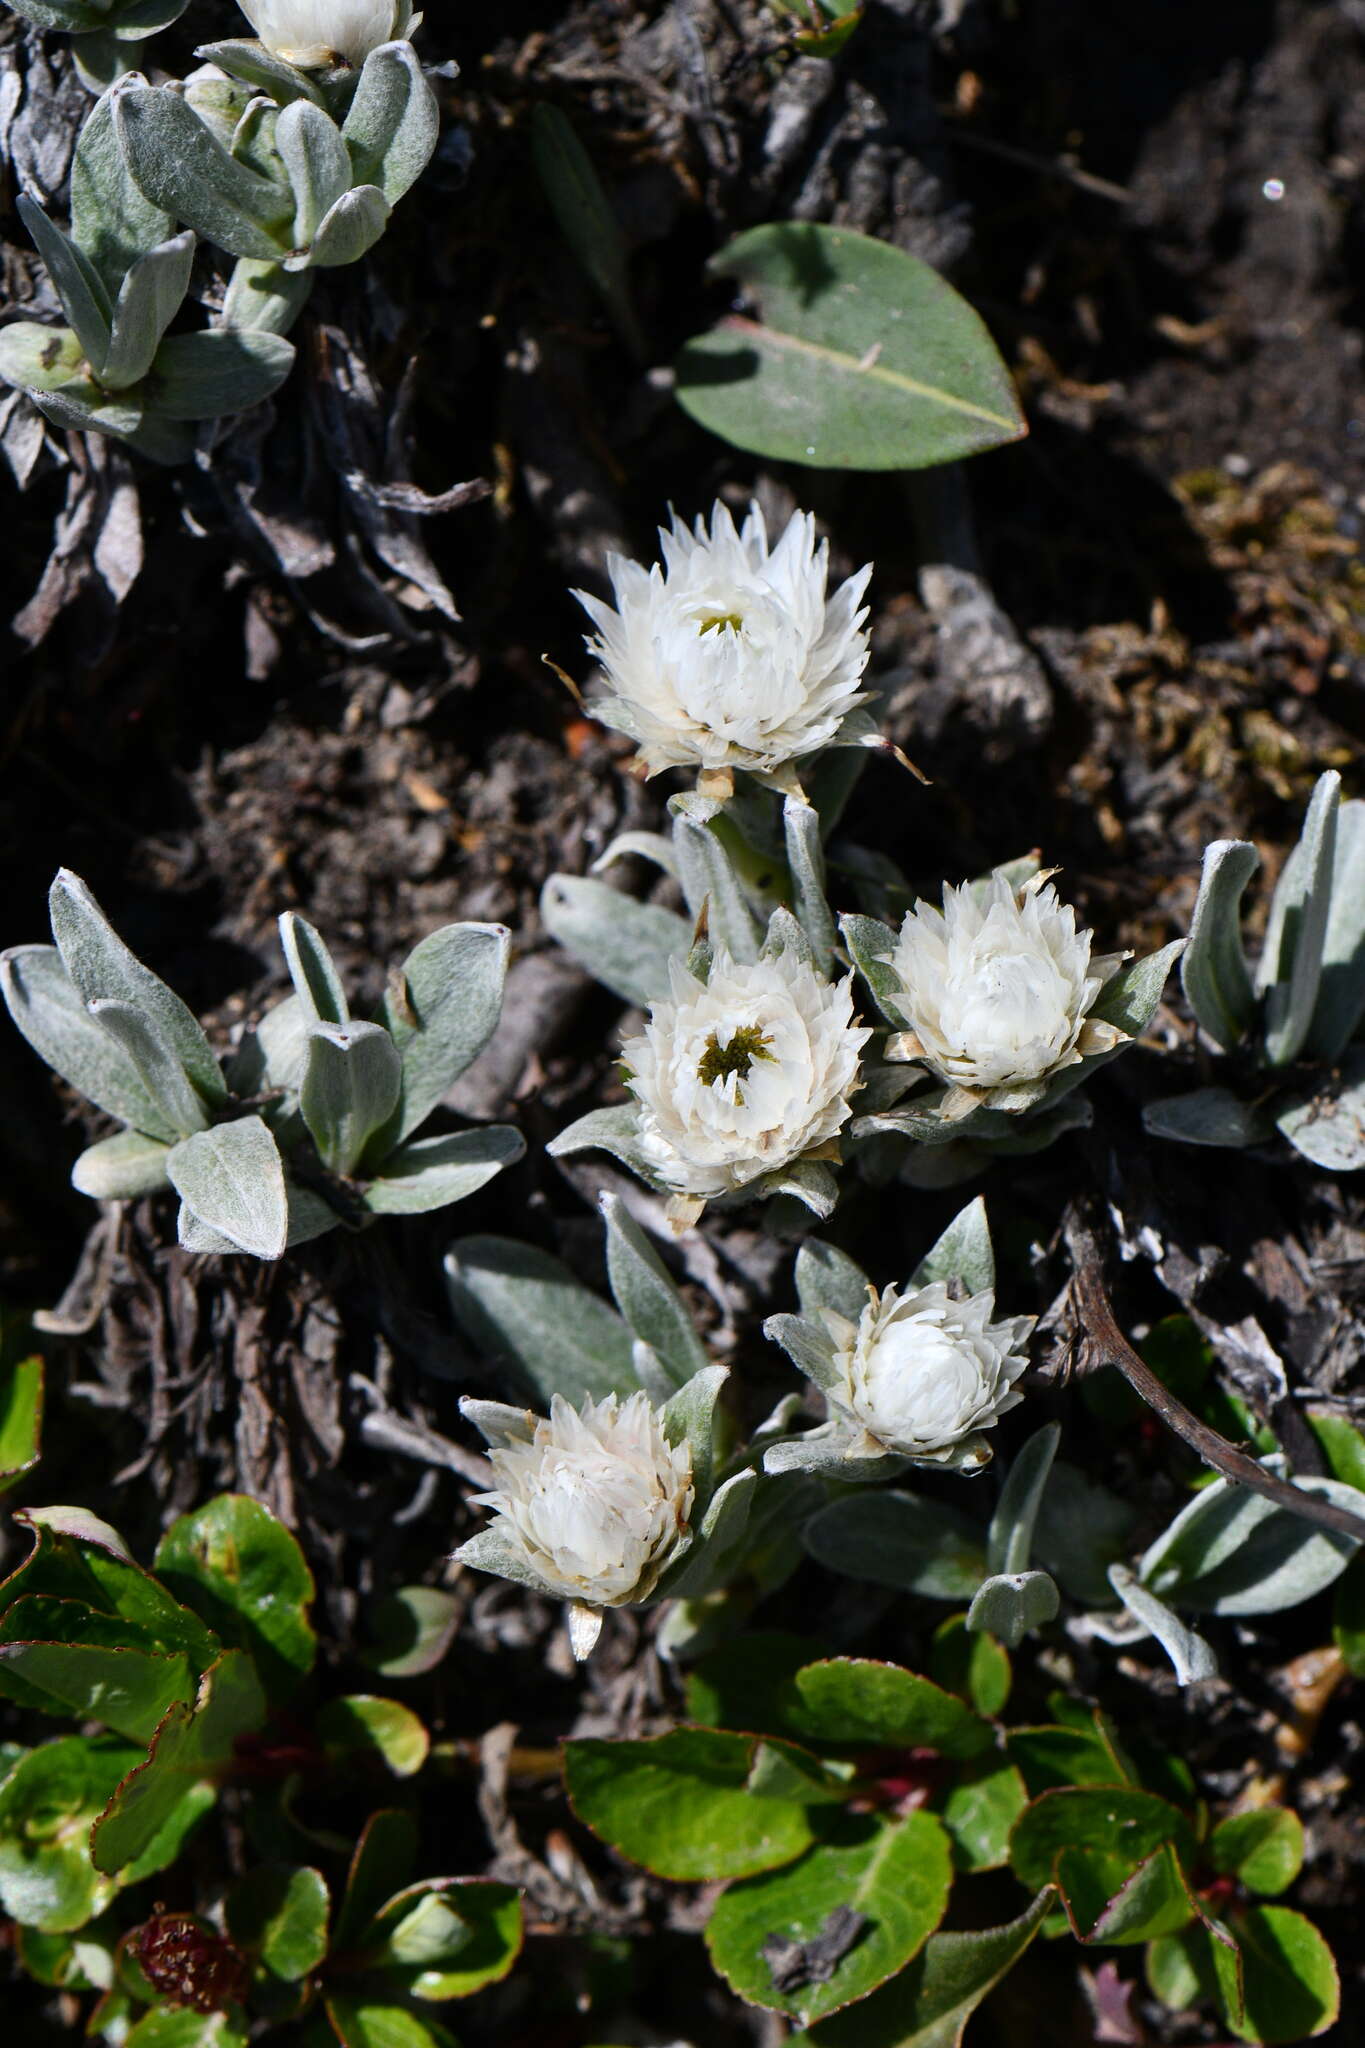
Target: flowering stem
(1105, 1344)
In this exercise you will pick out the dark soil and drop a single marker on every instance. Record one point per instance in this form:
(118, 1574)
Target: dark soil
(247, 687)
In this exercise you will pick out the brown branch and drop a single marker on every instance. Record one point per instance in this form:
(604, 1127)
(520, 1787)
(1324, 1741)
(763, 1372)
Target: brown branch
(1111, 1347)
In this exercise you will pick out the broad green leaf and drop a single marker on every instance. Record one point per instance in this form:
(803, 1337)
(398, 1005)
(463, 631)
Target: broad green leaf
(1154, 1901)
(896, 1874)
(962, 1253)
(1061, 1757)
(930, 2002)
(1343, 1446)
(893, 1539)
(1348, 1616)
(980, 1807)
(381, 1865)
(975, 1667)
(232, 1179)
(194, 1746)
(58, 1657)
(361, 1728)
(1262, 1848)
(21, 1419)
(1213, 971)
(441, 1009)
(679, 1804)
(857, 356)
(748, 1683)
(431, 1173)
(279, 1914)
(413, 1629)
(243, 1571)
(855, 1701)
(180, 2026)
(367, 2022)
(1289, 1982)
(51, 1013)
(647, 1297)
(528, 1314)
(447, 1937)
(590, 227)
(48, 1803)
(625, 945)
(1112, 1829)
(76, 1560)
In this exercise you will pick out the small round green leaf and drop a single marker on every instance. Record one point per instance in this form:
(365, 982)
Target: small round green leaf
(239, 1568)
(363, 1728)
(1264, 1849)
(279, 1914)
(1290, 1986)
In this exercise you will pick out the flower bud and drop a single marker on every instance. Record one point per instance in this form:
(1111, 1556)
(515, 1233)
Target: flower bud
(312, 33)
(738, 1076)
(921, 1375)
(996, 988)
(730, 655)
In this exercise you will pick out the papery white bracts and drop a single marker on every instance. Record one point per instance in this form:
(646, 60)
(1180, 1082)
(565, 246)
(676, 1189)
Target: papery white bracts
(742, 1074)
(921, 1375)
(730, 654)
(310, 33)
(594, 1503)
(996, 989)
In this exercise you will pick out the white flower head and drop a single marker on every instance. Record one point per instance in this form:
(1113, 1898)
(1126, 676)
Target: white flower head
(595, 1501)
(311, 33)
(730, 654)
(922, 1375)
(739, 1075)
(997, 988)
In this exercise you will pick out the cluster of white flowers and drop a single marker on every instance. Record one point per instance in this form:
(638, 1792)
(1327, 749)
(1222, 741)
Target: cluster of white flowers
(594, 1502)
(921, 1375)
(996, 989)
(311, 33)
(742, 1074)
(731, 655)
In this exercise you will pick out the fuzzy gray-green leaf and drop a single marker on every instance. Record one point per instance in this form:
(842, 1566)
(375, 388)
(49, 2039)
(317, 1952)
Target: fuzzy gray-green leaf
(179, 165)
(393, 122)
(150, 296)
(47, 1008)
(313, 153)
(232, 1179)
(219, 371)
(625, 945)
(349, 229)
(1213, 971)
(78, 283)
(1341, 991)
(1291, 966)
(350, 1088)
(646, 1296)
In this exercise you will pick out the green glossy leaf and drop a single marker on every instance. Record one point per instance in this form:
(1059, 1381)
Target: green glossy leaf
(1110, 1830)
(1263, 1848)
(1289, 1981)
(896, 1874)
(279, 1914)
(48, 1802)
(359, 2022)
(748, 1683)
(243, 1571)
(1085, 1755)
(679, 1804)
(893, 1539)
(447, 1937)
(194, 1746)
(590, 227)
(1154, 1901)
(528, 1314)
(179, 2026)
(857, 356)
(930, 2002)
(74, 1558)
(21, 1419)
(361, 1728)
(1348, 1616)
(855, 1701)
(413, 1629)
(381, 1865)
(975, 1667)
(980, 1807)
(58, 1657)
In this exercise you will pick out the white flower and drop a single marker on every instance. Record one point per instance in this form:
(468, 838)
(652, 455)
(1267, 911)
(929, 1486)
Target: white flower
(922, 1375)
(310, 33)
(738, 1076)
(997, 988)
(731, 655)
(596, 1503)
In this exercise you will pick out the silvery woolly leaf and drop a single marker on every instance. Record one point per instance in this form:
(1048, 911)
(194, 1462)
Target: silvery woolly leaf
(149, 298)
(1009, 1544)
(103, 968)
(349, 1089)
(962, 1253)
(692, 1415)
(651, 846)
(1010, 1605)
(808, 1345)
(37, 359)
(148, 1045)
(309, 1217)
(785, 935)
(120, 1168)
(615, 1130)
(811, 1181)
(1291, 964)
(490, 1551)
(1208, 1116)
(717, 1544)
(806, 865)
(79, 285)
(82, 405)
(178, 164)
(1234, 1552)
(110, 218)
(394, 121)
(1191, 1656)
(265, 297)
(623, 944)
(528, 1314)
(709, 879)
(430, 1173)
(313, 971)
(1327, 1125)
(349, 230)
(828, 1278)
(1213, 971)
(221, 370)
(646, 1296)
(441, 1008)
(896, 1539)
(71, 17)
(137, 19)
(824, 1452)
(232, 1179)
(47, 1008)
(869, 943)
(250, 61)
(314, 155)
(1341, 992)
